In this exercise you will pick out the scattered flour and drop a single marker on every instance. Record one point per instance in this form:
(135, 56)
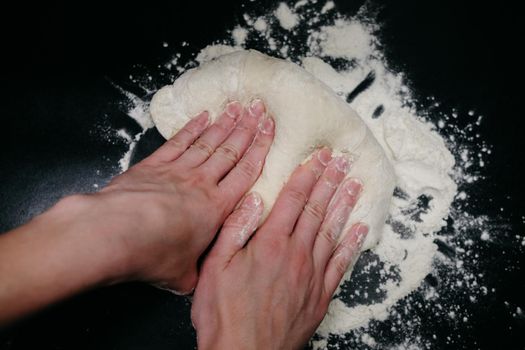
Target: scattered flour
(425, 258)
(327, 7)
(239, 34)
(332, 41)
(124, 134)
(139, 112)
(287, 18)
(260, 24)
(126, 159)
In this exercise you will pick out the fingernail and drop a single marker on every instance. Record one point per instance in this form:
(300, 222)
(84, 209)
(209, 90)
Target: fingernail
(353, 186)
(324, 155)
(234, 109)
(342, 164)
(257, 108)
(252, 201)
(267, 126)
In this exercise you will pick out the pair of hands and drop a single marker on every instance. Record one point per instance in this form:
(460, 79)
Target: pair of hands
(267, 291)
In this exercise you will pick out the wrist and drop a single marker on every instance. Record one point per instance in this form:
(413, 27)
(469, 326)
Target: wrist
(219, 341)
(84, 222)
(230, 338)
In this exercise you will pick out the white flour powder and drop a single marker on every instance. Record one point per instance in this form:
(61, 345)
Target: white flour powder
(287, 18)
(432, 157)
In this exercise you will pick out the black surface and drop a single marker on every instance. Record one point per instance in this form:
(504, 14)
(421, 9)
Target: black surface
(57, 65)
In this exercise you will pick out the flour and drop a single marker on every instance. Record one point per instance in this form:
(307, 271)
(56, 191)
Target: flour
(239, 34)
(124, 162)
(327, 7)
(332, 41)
(260, 24)
(287, 18)
(139, 112)
(430, 245)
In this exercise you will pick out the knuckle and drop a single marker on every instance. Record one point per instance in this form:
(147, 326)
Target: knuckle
(244, 129)
(329, 182)
(234, 225)
(199, 180)
(247, 131)
(249, 168)
(315, 210)
(329, 235)
(188, 131)
(224, 125)
(229, 152)
(203, 147)
(175, 143)
(297, 196)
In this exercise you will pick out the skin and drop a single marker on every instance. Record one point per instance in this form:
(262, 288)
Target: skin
(268, 290)
(152, 223)
(271, 291)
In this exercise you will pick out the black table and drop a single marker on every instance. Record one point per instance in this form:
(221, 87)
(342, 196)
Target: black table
(59, 63)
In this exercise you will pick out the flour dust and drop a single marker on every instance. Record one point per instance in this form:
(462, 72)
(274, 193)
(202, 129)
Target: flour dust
(426, 260)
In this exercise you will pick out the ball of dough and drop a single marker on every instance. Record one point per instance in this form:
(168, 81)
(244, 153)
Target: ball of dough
(307, 113)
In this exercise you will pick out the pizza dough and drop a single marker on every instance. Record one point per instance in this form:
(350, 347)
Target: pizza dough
(307, 114)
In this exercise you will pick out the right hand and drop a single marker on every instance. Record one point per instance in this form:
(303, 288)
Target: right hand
(272, 291)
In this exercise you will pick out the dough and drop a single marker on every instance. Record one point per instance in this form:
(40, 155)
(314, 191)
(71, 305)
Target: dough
(307, 114)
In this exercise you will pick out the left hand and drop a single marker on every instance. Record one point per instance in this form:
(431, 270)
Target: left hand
(166, 210)
(152, 223)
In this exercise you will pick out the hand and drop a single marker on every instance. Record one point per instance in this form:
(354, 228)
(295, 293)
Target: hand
(166, 210)
(273, 290)
(151, 223)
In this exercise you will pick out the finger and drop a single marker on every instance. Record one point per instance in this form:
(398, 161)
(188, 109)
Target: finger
(205, 145)
(246, 172)
(344, 256)
(316, 208)
(338, 212)
(183, 139)
(238, 227)
(233, 148)
(292, 199)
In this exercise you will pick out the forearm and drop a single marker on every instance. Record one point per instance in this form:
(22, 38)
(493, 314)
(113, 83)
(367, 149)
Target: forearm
(57, 254)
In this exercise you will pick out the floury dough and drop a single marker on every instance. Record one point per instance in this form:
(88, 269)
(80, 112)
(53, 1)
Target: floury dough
(308, 114)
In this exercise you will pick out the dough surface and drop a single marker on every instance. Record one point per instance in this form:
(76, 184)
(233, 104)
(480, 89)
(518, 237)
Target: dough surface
(307, 114)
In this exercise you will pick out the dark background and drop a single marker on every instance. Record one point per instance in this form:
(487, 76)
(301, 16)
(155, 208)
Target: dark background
(58, 62)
